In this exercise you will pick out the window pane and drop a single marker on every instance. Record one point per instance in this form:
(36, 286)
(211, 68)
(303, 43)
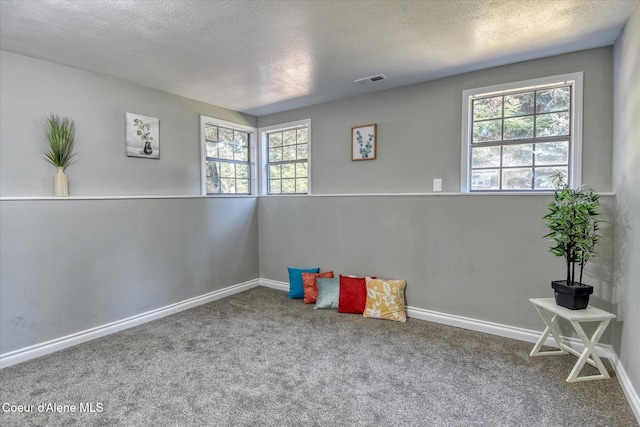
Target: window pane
(303, 136)
(275, 154)
(212, 149)
(289, 137)
(210, 133)
(301, 170)
(517, 155)
(242, 186)
(517, 179)
(487, 131)
(544, 177)
(225, 134)
(275, 139)
(302, 151)
(482, 157)
(242, 138)
(211, 188)
(242, 154)
(519, 104)
(227, 170)
(552, 153)
(289, 152)
(225, 150)
(242, 171)
(274, 186)
(301, 185)
(518, 127)
(213, 177)
(228, 185)
(487, 179)
(488, 108)
(288, 186)
(274, 171)
(557, 99)
(288, 171)
(553, 124)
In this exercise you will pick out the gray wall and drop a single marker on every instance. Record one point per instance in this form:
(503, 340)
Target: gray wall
(626, 181)
(69, 265)
(480, 256)
(420, 127)
(32, 88)
(477, 256)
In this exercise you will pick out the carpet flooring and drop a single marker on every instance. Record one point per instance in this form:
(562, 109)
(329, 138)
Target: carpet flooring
(260, 359)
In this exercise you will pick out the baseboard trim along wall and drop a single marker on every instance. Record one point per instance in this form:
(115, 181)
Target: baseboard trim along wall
(37, 350)
(527, 335)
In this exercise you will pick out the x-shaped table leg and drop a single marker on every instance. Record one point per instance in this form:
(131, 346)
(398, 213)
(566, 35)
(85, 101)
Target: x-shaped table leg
(550, 329)
(590, 345)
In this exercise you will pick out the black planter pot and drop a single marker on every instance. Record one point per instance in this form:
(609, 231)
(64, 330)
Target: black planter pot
(571, 297)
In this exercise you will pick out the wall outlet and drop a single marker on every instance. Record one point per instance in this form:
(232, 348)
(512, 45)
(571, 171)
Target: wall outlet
(437, 184)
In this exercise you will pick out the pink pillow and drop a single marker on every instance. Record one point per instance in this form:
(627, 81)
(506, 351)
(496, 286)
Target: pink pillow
(311, 287)
(353, 294)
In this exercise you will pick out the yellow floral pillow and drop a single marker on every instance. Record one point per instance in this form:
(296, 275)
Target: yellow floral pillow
(385, 299)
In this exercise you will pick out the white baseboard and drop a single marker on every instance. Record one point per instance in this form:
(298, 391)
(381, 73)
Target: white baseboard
(37, 350)
(281, 286)
(521, 334)
(625, 383)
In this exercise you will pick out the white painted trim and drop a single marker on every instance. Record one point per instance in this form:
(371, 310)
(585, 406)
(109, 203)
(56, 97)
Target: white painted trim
(37, 350)
(169, 196)
(253, 196)
(281, 286)
(626, 385)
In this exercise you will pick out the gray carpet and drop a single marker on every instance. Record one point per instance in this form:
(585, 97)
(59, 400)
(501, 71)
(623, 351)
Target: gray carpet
(260, 359)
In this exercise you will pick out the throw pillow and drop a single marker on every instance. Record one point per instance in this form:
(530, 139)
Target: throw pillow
(311, 287)
(353, 294)
(328, 290)
(385, 299)
(296, 289)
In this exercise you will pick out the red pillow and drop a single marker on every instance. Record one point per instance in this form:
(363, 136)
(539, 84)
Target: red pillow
(353, 294)
(310, 286)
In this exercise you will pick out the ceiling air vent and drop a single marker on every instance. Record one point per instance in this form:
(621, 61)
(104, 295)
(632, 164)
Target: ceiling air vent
(371, 79)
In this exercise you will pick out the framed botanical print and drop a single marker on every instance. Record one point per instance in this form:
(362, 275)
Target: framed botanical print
(143, 136)
(363, 142)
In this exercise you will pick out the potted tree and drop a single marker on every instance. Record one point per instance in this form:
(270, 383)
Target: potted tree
(60, 135)
(573, 224)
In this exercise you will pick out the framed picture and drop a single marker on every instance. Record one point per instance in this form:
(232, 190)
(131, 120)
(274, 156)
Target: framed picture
(143, 136)
(363, 142)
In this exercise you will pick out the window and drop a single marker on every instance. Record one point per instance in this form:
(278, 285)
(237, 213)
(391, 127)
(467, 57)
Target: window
(516, 136)
(227, 157)
(285, 153)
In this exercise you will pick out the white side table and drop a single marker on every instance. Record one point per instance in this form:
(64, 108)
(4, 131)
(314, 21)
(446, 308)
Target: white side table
(546, 306)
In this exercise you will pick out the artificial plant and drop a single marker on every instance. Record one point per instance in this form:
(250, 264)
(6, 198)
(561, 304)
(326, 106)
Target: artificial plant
(60, 135)
(573, 221)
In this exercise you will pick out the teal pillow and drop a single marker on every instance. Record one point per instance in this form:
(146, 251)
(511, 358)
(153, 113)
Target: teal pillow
(296, 289)
(328, 290)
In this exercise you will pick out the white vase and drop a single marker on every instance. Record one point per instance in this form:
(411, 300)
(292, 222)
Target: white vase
(60, 184)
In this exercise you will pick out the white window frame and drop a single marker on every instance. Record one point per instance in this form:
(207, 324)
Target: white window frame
(253, 138)
(575, 144)
(264, 156)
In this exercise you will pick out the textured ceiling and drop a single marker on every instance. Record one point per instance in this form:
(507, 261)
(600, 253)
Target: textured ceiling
(261, 57)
